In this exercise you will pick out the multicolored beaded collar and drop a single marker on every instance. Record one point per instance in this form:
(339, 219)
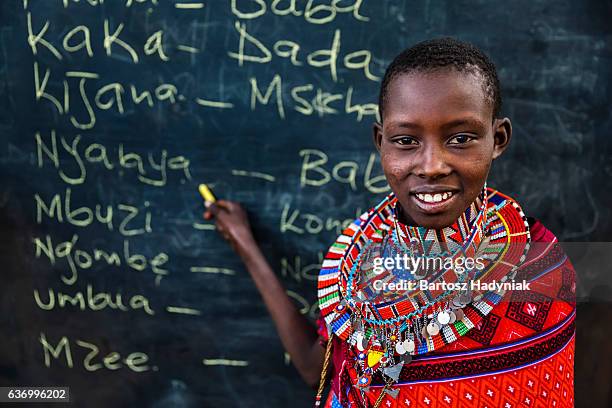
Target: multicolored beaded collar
(386, 331)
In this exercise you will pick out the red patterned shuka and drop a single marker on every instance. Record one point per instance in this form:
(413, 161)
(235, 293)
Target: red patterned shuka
(514, 350)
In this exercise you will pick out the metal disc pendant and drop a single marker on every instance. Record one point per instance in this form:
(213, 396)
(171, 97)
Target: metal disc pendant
(409, 346)
(433, 328)
(360, 342)
(399, 348)
(459, 314)
(452, 317)
(456, 303)
(443, 318)
(424, 332)
(465, 298)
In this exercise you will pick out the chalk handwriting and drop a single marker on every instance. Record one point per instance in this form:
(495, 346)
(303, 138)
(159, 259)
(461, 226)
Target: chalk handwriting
(77, 156)
(78, 259)
(90, 358)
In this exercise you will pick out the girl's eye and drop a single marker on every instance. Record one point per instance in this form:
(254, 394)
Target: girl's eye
(405, 141)
(460, 139)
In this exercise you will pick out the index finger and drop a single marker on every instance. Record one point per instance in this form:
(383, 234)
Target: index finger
(226, 205)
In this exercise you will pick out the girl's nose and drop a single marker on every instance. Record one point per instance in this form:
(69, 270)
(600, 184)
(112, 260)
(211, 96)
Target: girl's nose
(432, 163)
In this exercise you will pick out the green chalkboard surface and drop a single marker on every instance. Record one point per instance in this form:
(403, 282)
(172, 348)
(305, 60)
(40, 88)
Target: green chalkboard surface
(112, 112)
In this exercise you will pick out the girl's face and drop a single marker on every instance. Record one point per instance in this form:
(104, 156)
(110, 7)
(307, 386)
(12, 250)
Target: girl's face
(437, 142)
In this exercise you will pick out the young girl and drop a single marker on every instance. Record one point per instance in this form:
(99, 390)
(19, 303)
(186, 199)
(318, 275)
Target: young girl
(450, 344)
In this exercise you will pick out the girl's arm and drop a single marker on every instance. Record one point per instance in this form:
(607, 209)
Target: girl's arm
(298, 336)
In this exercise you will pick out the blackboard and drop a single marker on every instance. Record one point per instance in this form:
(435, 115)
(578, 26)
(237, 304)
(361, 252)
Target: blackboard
(112, 112)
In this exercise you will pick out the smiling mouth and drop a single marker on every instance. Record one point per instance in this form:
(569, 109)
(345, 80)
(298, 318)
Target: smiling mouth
(435, 197)
(434, 202)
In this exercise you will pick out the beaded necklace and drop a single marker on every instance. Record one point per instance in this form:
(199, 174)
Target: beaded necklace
(385, 335)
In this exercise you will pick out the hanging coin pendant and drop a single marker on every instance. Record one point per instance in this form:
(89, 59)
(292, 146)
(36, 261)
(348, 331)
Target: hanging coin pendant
(443, 318)
(360, 342)
(409, 346)
(399, 348)
(452, 317)
(433, 328)
(456, 302)
(424, 332)
(459, 313)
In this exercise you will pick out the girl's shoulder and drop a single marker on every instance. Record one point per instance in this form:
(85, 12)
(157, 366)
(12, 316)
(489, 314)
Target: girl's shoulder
(539, 233)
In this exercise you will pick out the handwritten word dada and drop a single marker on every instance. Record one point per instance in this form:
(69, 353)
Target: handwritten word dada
(313, 13)
(326, 58)
(75, 157)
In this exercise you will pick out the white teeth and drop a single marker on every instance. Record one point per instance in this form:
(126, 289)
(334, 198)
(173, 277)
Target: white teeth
(435, 198)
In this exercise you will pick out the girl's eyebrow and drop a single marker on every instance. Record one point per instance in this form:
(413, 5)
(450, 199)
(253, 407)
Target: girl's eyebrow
(406, 125)
(469, 121)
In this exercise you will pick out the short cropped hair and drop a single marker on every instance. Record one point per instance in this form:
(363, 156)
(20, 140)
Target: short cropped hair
(432, 55)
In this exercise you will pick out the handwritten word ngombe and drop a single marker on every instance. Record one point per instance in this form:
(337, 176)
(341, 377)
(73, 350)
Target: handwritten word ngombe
(79, 259)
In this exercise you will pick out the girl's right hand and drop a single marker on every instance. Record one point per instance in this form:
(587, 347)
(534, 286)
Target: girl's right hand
(232, 222)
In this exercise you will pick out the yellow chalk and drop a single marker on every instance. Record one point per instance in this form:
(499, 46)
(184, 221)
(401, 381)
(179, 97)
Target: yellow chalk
(206, 194)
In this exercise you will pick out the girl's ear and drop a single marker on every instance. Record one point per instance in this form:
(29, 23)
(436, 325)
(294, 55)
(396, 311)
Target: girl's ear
(502, 133)
(377, 135)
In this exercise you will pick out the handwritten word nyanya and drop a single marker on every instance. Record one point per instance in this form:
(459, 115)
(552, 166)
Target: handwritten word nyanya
(90, 358)
(76, 156)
